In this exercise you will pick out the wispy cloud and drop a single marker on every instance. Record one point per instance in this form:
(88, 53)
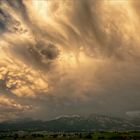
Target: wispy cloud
(72, 57)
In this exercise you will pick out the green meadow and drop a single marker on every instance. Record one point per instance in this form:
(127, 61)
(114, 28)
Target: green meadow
(131, 135)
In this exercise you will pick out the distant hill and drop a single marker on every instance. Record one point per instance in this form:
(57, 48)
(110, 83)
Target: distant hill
(73, 123)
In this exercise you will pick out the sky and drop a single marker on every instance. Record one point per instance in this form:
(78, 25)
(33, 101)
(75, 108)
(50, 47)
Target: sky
(65, 57)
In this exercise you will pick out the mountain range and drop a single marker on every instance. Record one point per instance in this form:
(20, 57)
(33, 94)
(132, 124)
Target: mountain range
(70, 123)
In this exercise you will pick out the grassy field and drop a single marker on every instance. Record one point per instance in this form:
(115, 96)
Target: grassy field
(133, 135)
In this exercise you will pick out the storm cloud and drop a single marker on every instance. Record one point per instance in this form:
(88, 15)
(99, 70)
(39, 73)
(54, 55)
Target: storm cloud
(69, 57)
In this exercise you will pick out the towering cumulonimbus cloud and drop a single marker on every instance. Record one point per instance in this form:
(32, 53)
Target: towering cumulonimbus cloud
(69, 57)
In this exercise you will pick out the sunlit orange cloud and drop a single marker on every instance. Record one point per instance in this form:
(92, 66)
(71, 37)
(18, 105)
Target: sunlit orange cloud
(83, 50)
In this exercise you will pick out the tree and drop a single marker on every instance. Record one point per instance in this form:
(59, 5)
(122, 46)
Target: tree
(89, 136)
(16, 136)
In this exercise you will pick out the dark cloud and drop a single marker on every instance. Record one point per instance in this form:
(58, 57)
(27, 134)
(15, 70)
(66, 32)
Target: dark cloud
(5, 20)
(51, 52)
(20, 8)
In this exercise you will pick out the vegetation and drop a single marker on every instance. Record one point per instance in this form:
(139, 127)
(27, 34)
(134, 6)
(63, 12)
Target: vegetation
(102, 135)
